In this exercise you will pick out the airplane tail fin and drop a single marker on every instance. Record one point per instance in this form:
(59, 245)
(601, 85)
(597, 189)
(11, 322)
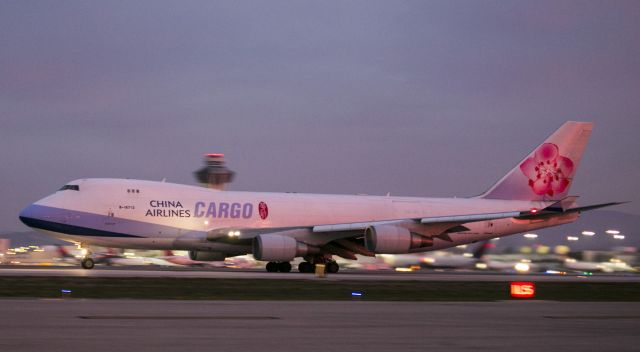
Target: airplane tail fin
(547, 172)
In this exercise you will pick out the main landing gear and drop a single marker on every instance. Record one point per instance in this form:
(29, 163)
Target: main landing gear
(308, 266)
(283, 267)
(330, 267)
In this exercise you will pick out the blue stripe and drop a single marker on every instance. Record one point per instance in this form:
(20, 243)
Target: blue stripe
(70, 229)
(88, 224)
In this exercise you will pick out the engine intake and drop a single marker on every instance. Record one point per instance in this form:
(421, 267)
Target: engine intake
(277, 248)
(391, 239)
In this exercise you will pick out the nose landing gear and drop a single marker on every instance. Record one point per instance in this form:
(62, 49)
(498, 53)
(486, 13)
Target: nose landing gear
(87, 263)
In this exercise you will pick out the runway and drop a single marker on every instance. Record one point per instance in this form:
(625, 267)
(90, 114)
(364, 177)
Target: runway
(354, 275)
(34, 325)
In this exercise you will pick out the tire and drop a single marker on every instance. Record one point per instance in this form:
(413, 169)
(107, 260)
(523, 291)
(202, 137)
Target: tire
(284, 267)
(332, 267)
(305, 267)
(272, 267)
(87, 263)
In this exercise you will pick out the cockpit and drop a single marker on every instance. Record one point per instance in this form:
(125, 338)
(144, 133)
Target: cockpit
(70, 187)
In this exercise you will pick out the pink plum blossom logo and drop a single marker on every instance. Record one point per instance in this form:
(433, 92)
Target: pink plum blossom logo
(547, 170)
(263, 210)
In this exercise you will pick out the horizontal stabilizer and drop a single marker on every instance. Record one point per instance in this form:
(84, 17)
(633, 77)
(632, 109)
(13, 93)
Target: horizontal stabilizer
(555, 211)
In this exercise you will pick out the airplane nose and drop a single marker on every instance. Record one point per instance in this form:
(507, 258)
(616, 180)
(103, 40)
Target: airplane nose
(27, 215)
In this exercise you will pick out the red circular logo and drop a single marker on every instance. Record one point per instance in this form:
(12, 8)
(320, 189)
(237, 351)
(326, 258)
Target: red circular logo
(263, 209)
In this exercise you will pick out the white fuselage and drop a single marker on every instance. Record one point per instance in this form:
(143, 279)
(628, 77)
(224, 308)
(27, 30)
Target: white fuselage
(145, 214)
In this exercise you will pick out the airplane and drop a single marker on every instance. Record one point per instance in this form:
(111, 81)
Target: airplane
(279, 227)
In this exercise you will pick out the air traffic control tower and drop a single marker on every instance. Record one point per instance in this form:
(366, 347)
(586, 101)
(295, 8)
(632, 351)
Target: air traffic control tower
(214, 174)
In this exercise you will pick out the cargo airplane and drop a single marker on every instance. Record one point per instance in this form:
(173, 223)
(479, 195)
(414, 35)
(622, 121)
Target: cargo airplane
(278, 227)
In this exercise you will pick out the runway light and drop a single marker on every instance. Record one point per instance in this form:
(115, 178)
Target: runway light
(530, 235)
(404, 270)
(572, 238)
(522, 267)
(522, 289)
(588, 233)
(613, 232)
(618, 237)
(555, 272)
(428, 260)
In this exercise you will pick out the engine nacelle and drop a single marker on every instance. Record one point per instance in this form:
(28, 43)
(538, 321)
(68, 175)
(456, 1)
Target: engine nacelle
(391, 239)
(277, 248)
(204, 256)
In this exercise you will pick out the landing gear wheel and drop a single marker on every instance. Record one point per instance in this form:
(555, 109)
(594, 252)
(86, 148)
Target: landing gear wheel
(272, 267)
(284, 267)
(87, 263)
(305, 267)
(332, 267)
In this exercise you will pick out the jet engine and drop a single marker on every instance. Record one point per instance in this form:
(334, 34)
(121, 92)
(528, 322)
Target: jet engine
(277, 248)
(391, 239)
(206, 256)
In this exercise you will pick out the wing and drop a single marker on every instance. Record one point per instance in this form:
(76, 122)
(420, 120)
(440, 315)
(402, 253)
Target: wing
(347, 239)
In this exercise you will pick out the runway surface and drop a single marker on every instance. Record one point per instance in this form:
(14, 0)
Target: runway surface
(422, 275)
(139, 325)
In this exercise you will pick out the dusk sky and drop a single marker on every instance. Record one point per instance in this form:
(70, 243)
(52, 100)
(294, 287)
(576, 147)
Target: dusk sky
(415, 98)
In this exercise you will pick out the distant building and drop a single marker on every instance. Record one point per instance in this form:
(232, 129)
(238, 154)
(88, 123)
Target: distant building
(214, 174)
(5, 244)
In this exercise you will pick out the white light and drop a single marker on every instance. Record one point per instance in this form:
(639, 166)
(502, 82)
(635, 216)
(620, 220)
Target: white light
(613, 232)
(572, 238)
(522, 267)
(206, 222)
(481, 265)
(237, 233)
(468, 255)
(588, 233)
(230, 234)
(618, 237)
(530, 235)
(404, 270)
(83, 251)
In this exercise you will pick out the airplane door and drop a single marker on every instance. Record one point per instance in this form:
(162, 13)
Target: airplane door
(110, 219)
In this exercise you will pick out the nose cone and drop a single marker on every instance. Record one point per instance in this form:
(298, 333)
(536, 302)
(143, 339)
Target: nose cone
(28, 215)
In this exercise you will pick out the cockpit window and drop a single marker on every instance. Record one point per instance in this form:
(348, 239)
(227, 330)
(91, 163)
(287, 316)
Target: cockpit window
(71, 187)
